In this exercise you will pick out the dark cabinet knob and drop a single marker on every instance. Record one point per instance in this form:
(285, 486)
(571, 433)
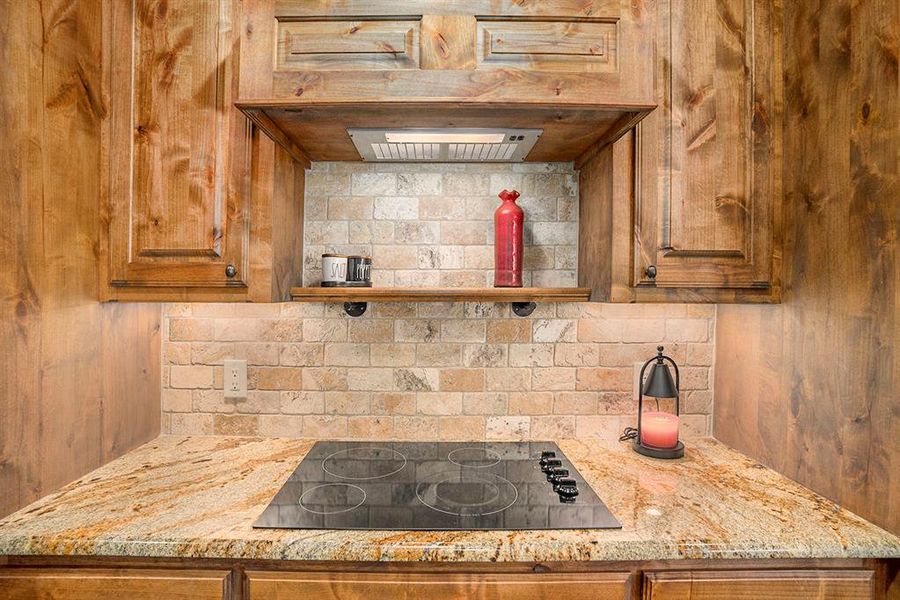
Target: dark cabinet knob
(651, 272)
(230, 271)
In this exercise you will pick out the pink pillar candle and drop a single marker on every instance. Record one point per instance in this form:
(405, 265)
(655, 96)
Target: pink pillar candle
(659, 429)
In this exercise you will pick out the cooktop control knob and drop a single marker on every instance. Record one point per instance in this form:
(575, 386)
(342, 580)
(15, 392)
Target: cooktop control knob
(550, 463)
(567, 490)
(545, 456)
(555, 474)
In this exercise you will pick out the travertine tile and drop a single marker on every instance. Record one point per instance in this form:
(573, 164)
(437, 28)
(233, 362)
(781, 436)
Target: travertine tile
(485, 403)
(530, 403)
(531, 355)
(195, 376)
(278, 378)
(507, 428)
(461, 428)
(473, 367)
(235, 425)
(462, 380)
(508, 330)
(575, 403)
(394, 403)
(189, 330)
(438, 403)
(370, 427)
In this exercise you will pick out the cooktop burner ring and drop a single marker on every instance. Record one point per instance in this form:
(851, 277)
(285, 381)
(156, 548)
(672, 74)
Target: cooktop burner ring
(395, 456)
(349, 486)
(455, 476)
(479, 458)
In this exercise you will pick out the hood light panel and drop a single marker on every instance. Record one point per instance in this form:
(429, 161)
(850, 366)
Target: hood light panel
(444, 145)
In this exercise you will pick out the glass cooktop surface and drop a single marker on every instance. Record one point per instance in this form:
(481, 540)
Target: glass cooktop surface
(440, 485)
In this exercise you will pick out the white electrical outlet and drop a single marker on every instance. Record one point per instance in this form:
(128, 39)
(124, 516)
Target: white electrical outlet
(235, 379)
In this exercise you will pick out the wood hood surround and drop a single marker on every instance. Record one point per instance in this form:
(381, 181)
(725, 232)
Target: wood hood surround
(580, 70)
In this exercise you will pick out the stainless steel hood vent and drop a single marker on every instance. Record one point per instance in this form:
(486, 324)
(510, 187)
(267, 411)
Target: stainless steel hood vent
(444, 145)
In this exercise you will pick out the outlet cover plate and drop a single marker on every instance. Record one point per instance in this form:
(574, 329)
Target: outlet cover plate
(235, 378)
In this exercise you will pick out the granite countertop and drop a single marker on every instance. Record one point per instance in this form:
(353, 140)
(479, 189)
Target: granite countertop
(198, 497)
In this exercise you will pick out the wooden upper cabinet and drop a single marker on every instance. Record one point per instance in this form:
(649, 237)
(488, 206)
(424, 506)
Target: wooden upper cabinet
(192, 190)
(174, 217)
(558, 52)
(707, 178)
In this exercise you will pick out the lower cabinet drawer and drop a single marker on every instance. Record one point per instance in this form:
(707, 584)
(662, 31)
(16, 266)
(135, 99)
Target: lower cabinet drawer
(803, 584)
(111, 584)
(347, 586)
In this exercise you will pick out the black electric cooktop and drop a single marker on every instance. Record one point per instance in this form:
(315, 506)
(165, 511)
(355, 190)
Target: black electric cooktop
(441, 485)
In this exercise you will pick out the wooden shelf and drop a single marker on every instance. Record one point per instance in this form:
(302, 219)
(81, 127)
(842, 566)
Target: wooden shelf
(375, 294)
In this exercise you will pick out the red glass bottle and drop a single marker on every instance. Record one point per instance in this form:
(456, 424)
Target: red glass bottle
(509, 251)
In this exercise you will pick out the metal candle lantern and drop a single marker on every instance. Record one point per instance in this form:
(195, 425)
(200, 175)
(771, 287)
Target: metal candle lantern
(657, 432)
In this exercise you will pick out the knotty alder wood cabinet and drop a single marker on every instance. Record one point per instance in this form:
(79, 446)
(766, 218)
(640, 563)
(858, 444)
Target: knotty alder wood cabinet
(198, 204)
(687, 207)
(201, 206)
(96, 578)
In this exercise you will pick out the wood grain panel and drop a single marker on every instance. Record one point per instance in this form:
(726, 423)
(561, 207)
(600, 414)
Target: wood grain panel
(322, 128)
(62, 416)
(284, 9)
(357, 44)
(173, 218)
(373, 294)
(753, 585)
(709, 179)
(100, 584)
(563, 45)
(284, 586)
(448, 42)
(827, 412)
(606, 236)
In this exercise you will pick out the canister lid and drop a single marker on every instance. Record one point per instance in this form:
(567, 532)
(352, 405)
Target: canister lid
(335, 256)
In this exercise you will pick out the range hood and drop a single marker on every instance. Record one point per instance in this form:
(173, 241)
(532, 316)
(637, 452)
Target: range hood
(444, 145)
(466, 131)
(320, 78)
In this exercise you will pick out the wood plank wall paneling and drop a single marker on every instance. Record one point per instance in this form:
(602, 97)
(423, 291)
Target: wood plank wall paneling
(810, 387)
(79, 381)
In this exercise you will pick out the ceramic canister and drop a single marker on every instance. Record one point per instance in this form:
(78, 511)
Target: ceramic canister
(359, 268)
(334, 268)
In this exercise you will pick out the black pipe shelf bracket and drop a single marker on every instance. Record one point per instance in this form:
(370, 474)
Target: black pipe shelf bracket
(355, 309)
(523, 309)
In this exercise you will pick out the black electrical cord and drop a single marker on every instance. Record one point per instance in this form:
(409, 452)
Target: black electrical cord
(630, 433)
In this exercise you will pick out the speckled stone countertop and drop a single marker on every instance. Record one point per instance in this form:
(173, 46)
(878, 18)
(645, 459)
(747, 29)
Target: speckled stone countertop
(198, 497)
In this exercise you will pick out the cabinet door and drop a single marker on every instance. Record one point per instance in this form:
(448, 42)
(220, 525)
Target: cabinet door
(103, 584)
(175, 217)
(707, 183)
(365, 586)
(751, 585)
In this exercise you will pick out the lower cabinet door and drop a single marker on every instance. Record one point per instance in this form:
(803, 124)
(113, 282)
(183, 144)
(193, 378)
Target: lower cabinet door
(350, 586)
(849, 584)
(111, 584)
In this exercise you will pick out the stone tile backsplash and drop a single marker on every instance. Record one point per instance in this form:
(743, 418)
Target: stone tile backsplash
(431, 225)
(431, 370)
(428, 371)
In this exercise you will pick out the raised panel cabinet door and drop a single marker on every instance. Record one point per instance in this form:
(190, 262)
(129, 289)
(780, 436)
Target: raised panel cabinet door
(849, 584)
(365, 586)
(708, 157)
(175, 216)
(103, 584)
